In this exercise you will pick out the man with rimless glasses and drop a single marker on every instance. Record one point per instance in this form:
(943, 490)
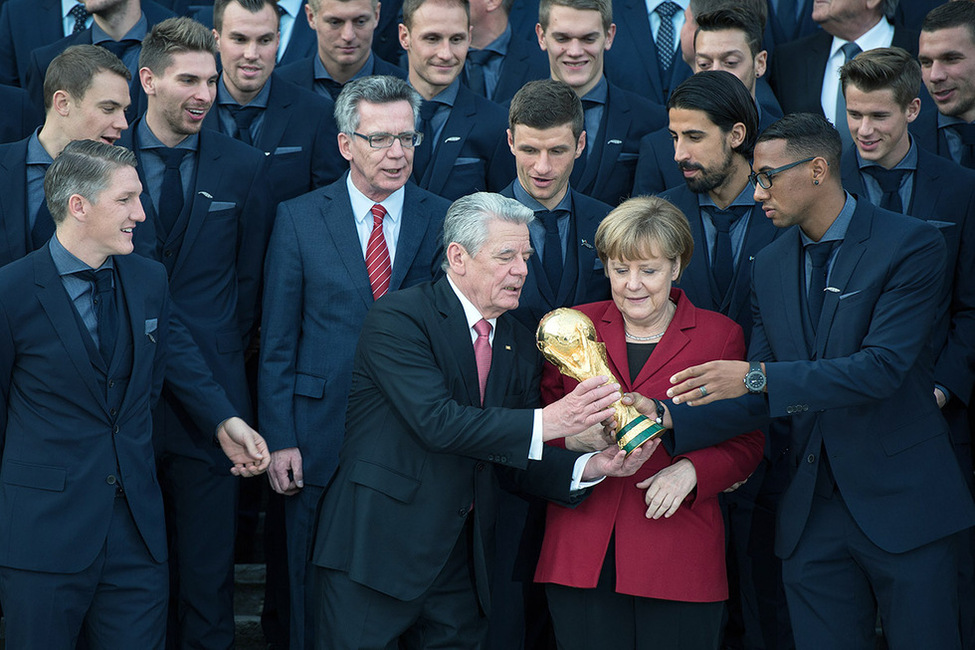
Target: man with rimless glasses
(333, 252)
(841, 350)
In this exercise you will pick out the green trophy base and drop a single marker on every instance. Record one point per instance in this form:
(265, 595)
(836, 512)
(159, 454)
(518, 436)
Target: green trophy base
(636, 432)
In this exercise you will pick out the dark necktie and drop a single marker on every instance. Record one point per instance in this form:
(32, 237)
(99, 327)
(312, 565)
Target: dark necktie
(80, 15)
(244, 116)
(482, 354)
(332, 87)
(723, 264)
(377, 255)
(890, 181)
(849, 50)
(967, 134)
(819, 256)
(423, 153)
(552, 252)
(103, 297)
(43, 226)
(119, 48)
(666, 38)
(477, 60)
(171, 191)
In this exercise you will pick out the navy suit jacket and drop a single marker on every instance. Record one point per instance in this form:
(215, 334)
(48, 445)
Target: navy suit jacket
(797, 69)
(590, 284)
(608, 172)
(298, 137)
(924, 129)
(944, 196)
(473, 154)
(302, 72)
(632, 61)
(40, 58)
(20, 117)
(59, 441)
(14, 236)
(26, 25)
(697, 281)
(869, 365)
(214, 258)
(656, 170)
(414, 460)
(317, 296)
(523, 62)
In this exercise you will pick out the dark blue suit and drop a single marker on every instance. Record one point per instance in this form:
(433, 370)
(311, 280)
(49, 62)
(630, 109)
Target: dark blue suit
(15, 240)
(68, 441)
(523, 62)
(40, 58)
(20, 117)
(847, 392)
(632, 61)
(656, 169)
(299, 139)
(302, 73)
(213, 257)
(26, 25)
(317, 296)
(608, 165)
(472, 154)
(925, 130)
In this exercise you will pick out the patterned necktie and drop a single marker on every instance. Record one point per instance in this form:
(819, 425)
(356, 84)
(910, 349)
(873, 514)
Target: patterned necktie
(482, 353)
(552, 250)
(80, 15)
(377, 255)
(171, 197)
(890, 181)
(244, 116)
(666, 38)
(849, 50)
(103, 298)
(723, 264)
(819, 256)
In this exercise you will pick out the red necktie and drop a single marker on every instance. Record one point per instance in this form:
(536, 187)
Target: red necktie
(377, 255)
(482, 353)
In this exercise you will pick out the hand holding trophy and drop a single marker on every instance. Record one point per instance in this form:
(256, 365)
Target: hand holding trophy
(567, 338)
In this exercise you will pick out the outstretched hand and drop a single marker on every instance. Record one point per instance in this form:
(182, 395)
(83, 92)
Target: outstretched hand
(709, 382)
(244, 447)
(613, 461)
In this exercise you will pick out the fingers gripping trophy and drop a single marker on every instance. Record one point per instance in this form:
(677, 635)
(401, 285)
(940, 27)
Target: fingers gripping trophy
(567, 338)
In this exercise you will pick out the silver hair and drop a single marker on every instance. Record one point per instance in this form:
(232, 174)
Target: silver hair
(376, 89)
(468, 217)
(84, 167)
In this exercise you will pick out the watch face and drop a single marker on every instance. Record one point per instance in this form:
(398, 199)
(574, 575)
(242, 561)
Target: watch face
(755, 380)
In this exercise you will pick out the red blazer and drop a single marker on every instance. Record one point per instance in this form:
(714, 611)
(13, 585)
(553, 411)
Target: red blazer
(681, 558)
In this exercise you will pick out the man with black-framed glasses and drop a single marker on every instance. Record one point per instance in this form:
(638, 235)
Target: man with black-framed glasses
(843, 350)
(333, 252)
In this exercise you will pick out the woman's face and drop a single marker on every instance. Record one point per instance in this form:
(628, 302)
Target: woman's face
(641, 288)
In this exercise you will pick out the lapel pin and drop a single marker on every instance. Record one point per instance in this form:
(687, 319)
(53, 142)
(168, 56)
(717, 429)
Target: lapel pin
(508, 348)
(614, 141)
(453, 138)
(586, 244)
(832, 289)
(751, 258)
(205, 194)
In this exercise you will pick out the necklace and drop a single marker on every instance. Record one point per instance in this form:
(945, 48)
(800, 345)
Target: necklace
(644, 339)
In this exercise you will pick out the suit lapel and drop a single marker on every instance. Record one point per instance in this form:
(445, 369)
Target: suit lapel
(455, 330)
(674, 339)
(790, 288)
(452, 140)
(638, 26)
(850, 173)
(209, 174)
(276, 117)
(612, 134)
(759, 233)
(134, 301)
(502, 362)
(614, 338)
(846, 261)
(56, 304)
(13, 198)
(340, 225)
(696, 279)
(926, 185)
(411, 231)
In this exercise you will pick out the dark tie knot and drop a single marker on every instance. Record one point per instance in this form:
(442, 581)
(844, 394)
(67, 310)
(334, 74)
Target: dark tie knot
(819, 253)
(172, 157)
(889, 179)
(966, 131)
(549, 219)
(723, 220)
(667, 10)
(101, 278)
(244, 116)
(119, 48)
(850, 50)
(428, 109)
(480, 57)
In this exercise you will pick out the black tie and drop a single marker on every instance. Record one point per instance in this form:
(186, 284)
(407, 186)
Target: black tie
(890, 184)
(119, 48)
(423, 153)
(332, 87)
(244, 116)
(967, 134)
(552, 254)
(171, 191)
(819, 256)
(723, 264)
(477, 60)
(43, 226)
(103, 297)
(849, 50)
(80, 15)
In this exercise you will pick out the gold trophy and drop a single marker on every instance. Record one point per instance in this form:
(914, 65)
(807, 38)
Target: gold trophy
(567, 338)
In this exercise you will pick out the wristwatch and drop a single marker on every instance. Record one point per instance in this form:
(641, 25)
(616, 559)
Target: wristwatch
(755, 379)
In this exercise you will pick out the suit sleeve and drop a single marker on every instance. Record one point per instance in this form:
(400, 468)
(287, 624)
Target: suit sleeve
(8, 354)
(280, 328)
(252, 236)
(900, 326)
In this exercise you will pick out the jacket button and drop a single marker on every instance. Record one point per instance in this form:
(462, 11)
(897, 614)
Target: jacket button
(479, 467)
(110, 479)
(115, 429)
(811, 458)
(789, 409)
(168, 253)
(491, 457)
(462, 512)
(805, 407)
(504, 459)
(113, 412)
(111, 383)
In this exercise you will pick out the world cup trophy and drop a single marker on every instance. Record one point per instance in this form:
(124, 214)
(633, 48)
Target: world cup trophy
(567, 338)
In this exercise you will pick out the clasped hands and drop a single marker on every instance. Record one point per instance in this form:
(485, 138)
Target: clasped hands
(244, 447)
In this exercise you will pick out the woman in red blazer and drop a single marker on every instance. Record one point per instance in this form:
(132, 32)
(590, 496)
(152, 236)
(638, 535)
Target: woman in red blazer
(641, 562)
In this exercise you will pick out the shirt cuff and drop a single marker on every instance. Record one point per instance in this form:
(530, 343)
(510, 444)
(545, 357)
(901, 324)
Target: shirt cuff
(578, 469)
(538, 443)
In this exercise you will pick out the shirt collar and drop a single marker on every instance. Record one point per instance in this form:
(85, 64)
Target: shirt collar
(36, 153)
(879, 35)
(529, 201)
(909, 161)
(500, 44)
(224, 98)
(948, 120)
(745, 198)
(66, 263)
(137, 33)
(653, 4)
(362, 204)
(148, 139)
(598, 93)
(836, 230)
(67, 6)
(365, 71)
(291, 7)
(448, 95)
(470, 311)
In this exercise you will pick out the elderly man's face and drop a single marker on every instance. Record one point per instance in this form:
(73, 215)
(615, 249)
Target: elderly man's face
(492, 279)
(377, 173)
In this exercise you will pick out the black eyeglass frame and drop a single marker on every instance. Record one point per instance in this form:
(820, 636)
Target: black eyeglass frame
(408, 139)
(755, 177)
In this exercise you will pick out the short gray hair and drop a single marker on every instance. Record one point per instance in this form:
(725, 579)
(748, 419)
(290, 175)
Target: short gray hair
(468, 217)
(376, 89)
(84, 167)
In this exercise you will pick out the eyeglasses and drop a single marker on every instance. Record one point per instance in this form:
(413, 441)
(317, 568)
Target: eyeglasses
(764, 179)
(409, 139)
